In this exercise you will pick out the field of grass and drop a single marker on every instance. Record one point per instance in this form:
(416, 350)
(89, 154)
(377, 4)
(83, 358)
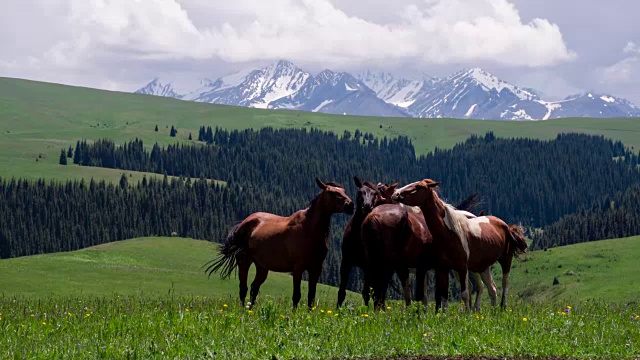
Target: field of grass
(38, 119)
(149, 267)
(600, 269)
(149, 298)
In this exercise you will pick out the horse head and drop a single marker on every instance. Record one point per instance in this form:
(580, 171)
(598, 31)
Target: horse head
(334, 198)
(417, 193)
(367, 196)
(386, 192)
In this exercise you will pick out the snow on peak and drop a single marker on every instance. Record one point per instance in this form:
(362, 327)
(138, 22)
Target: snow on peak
(489, 82)
(608, 99)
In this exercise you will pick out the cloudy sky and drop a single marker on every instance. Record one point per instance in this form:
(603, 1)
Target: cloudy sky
(556, 46)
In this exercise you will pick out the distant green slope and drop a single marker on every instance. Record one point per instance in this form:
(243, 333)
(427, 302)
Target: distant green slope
(605, 269)
(148, 266)
(41, 118)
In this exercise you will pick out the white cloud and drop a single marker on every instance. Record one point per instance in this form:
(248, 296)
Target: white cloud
(432, 32)
(625, 71)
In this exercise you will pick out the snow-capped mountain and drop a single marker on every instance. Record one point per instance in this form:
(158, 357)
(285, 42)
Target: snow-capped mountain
(470, 93)
(397, 91)
(337, 93)
(155, 87)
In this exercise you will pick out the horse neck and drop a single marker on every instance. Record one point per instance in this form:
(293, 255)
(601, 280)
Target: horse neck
(434, 212)
(318, 218)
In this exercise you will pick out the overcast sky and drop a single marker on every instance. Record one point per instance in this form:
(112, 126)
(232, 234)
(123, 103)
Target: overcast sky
(556, 46)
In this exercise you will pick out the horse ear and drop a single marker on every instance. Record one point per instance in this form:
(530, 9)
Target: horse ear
(322, 185)
(392, 187)
(357, 181)
(433, 184)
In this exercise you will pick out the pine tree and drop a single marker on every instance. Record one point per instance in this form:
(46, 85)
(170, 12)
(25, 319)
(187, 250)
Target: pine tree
(70, 152)
(124, 182)
(63, 157)
(190, 138)
(173, 131)
(156, 128)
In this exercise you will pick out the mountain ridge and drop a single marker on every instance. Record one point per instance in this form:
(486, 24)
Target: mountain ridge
(469, 93)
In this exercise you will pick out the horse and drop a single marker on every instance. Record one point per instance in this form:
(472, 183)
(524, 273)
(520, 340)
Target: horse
(290, 244)
(367, 198)
(396, 238)
(463, 243)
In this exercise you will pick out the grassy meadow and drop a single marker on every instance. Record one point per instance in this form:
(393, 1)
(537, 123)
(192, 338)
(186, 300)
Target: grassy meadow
(38, 119)
(149, 298)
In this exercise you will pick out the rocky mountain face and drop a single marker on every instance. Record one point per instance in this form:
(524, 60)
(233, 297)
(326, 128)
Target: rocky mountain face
(470, 93)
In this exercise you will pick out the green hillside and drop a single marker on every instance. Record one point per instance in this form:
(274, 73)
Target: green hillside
(599, 269)
(38, 119)
(153, 266)
(144, 266)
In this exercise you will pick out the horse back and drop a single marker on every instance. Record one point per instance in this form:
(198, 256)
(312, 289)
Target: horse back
(488, 241)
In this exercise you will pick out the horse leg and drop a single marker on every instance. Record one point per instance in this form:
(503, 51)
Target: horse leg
(314, 276)
(366, 291)
(463, 274)
(243, 275)
(403, 274)
(421, 285)
(478, 281)
(442, 288)
(345, 271)
(297, 279)
(487, 279)
(258, 280)
(505, 289)
(380, 288)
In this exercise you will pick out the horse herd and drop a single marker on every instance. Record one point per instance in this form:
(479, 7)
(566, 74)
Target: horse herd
(391, 231)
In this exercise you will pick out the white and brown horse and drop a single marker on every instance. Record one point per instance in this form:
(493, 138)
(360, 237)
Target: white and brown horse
(463, 243)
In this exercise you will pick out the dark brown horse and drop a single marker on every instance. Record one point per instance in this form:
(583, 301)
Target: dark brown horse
(283, 244)
(396, 238)
(463, 243)
(367, 198)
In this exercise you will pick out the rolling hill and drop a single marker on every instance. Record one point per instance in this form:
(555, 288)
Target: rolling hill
(594, 270)
(38, 119)
(154, 266)
(144, 266)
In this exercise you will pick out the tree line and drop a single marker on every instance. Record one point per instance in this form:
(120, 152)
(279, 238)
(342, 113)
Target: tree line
(530, 181)
(608, 218)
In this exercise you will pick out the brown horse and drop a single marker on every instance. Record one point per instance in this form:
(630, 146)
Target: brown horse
(283, 244)
(396, 238)
(367, 198)
(463, 243)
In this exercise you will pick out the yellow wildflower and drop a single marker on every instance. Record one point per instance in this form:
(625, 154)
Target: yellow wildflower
(388, 307)
(44, 323)
(187, 309)
(336, 314)
(313, 308)
(224, 305)
(524, 319)
(250, 312)
(424, 335)
(329, 312)
(321, 310)
(365, 315)
(568, 307)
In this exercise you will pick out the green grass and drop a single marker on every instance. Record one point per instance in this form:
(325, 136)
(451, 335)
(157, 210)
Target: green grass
(594, 270)
(147, 267)
(40, 118)
(195, 327)
(114, 301)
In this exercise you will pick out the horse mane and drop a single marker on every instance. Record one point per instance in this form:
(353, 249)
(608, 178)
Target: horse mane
(457, 222)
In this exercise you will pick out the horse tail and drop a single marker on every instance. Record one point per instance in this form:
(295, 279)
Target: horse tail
(470, 203)
(227, 260)
(516, 236)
